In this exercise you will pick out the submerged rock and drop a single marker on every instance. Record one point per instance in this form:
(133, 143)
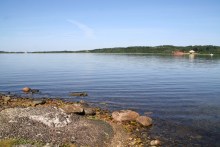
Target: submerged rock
(34, 91)
(124, 115)
(78, 94)
(144, 120)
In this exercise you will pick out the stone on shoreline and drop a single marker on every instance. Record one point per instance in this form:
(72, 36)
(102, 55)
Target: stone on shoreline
(52, 125)
(124, 115)
(6, 98)
(29, 90)
(155, 142)
(38, 102)
(89, 111)
(73, 108)
(144, 120)
(55, 121)
(26, 89)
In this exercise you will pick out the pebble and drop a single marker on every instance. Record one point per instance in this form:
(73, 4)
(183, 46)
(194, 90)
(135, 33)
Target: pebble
(155, 142)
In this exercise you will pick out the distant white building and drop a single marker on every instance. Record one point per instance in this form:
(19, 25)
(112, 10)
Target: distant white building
(191, 51)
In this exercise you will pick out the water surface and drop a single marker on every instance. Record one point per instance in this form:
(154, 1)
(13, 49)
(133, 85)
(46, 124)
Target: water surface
(182, 92)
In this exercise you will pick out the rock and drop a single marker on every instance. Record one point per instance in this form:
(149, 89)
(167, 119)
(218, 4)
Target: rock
(78, 94)
(83, 103)
(68, 108)
(34, 91)
(26, 89)
(89, 111)
(124, 115)
(155, 142)
(6, 98)
(38, 102)
(144, 120)
(52, 125)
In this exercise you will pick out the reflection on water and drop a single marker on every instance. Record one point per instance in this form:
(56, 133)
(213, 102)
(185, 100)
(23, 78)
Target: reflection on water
(181, 91)
(191, 57)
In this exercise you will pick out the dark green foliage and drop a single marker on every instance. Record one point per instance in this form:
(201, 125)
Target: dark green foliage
(3, 52)
(165, 49)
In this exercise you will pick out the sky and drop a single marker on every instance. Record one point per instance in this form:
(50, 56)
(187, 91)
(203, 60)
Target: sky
(49, 25)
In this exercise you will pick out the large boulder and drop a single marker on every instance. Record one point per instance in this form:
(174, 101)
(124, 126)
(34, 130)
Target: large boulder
(124, 115)
(144, 120)
(53, 125)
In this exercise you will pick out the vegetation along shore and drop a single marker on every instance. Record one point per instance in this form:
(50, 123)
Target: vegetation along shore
(163, 49)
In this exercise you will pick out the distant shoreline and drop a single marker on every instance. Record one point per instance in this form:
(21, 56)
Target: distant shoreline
(164, 49)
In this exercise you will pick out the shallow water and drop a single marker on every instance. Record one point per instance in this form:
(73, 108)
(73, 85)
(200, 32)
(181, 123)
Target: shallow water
(182, 92)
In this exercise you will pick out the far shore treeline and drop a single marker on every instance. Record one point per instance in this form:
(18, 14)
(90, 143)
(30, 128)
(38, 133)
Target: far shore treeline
(164, 49)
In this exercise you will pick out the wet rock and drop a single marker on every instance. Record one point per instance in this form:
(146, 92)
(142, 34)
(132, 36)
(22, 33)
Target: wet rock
(89, 111)
(68, 108)
(155, 142)
(144, 120)
(26, 89)
(34, 91)
(124, 115)
(78, 94)
(38, 102)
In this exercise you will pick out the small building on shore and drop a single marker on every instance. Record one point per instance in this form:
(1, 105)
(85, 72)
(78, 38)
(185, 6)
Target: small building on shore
(191, 52)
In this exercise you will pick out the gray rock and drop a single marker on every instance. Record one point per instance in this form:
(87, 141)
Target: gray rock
(6, 98)
(74, 108)
(89, 111)
(34, 91)
(52, 125)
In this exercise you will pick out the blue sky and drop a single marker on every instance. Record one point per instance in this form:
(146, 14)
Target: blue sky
(37, 25)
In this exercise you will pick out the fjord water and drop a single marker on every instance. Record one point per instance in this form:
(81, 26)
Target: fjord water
(183, 93)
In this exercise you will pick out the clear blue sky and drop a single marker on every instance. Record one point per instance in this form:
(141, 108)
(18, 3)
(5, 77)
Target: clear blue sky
(37, 25)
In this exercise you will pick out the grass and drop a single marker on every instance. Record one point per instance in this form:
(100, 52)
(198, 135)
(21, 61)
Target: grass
(11, 142)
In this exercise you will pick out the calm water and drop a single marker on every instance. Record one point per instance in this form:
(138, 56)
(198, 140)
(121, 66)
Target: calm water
(183, 93)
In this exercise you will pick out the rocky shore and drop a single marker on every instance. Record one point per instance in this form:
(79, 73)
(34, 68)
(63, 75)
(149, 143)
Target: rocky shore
(27, 122)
